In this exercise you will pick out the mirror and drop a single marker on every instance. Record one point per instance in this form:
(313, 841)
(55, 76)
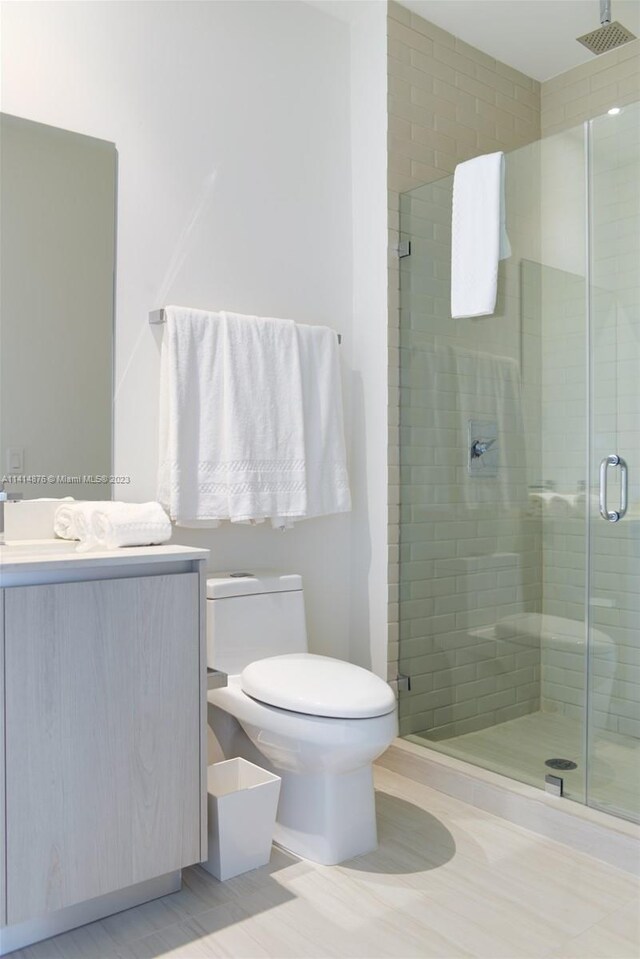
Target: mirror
(57, 263)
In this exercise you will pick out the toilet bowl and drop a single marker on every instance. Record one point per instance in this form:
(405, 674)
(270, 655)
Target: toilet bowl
(318, 722)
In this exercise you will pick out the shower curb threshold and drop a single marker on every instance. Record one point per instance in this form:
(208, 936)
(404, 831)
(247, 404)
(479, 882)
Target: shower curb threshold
(608, 838)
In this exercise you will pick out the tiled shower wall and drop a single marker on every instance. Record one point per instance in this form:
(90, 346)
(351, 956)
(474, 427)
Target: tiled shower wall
(609, 80)
(449, 102)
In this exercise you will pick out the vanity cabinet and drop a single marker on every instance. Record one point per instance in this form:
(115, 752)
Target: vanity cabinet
(104, 769)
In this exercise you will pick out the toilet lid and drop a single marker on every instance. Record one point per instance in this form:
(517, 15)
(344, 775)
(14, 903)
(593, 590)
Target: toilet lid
(317, 686)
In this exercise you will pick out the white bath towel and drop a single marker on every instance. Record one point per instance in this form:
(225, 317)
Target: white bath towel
(130, 524)
(232, 432)
(191, 416)
(264, 445)
(73, 521)
(107, 524)
(326, 464)
(478, 234)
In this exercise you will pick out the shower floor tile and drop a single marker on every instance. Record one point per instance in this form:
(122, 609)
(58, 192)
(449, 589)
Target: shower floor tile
(520, 747)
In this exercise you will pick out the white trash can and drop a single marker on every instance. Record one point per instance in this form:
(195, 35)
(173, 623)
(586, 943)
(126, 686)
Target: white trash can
(242, 804)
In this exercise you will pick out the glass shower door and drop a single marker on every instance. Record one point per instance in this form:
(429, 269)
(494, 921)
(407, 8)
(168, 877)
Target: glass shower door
(519, 604)
(613, 724)
(493, 548)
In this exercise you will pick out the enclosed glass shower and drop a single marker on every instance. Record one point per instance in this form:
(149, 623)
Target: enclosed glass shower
(520, 476)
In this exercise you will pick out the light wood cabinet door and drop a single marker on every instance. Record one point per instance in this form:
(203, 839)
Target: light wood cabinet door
(3, 862)
(102, 733)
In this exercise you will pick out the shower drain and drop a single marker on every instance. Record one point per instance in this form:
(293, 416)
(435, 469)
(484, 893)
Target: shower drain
(561, 764)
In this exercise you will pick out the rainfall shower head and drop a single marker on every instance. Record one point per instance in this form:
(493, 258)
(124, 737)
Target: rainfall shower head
(609, 35)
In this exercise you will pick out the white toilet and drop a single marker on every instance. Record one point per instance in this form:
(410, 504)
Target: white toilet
(318, 722)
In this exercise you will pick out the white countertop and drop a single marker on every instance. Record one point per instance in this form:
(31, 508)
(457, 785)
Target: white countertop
(23, 556)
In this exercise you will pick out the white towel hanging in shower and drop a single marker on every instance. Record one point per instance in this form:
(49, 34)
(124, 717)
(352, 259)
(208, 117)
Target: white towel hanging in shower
(478, 234)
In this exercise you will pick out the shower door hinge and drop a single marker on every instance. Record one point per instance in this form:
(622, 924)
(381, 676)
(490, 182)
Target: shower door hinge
(554, 785)
(404, 683)
(402, 249)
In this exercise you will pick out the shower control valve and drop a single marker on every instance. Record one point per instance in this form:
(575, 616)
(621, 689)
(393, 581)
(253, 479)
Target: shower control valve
(480, 447)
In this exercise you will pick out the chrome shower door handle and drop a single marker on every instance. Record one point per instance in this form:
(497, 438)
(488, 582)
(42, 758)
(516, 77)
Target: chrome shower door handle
(613, 516)
(624, 487)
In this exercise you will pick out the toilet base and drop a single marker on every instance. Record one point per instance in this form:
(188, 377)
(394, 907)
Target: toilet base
(327, 818)
(326, 811)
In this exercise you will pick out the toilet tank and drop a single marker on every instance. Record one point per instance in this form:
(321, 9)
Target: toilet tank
(252, 615)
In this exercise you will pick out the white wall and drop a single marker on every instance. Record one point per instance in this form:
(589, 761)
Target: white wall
(369, 587)
(233, 123)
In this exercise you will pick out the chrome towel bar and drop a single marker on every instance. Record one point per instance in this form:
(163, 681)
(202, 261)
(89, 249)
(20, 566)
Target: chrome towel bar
(157, 317)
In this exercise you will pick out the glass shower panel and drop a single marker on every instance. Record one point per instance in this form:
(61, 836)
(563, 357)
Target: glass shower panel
(493, 548)
(614, 634)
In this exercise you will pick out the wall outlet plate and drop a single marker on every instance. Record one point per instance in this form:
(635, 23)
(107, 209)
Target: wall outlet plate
(15, 460)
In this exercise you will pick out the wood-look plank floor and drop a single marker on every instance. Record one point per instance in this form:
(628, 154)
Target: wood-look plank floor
(448, 880)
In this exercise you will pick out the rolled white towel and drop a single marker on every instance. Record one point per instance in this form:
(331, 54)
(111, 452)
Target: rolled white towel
(536, 504)
(560, 505)
(548, 502)
(129, 524)
(73, 521)
(64, 522)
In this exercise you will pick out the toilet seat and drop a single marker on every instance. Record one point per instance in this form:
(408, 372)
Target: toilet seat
(317, 686)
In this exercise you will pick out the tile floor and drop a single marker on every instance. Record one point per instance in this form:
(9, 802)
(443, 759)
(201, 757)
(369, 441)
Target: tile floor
(448, 880)
(519, 747)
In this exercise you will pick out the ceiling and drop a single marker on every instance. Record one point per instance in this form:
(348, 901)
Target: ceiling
(534, 36)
